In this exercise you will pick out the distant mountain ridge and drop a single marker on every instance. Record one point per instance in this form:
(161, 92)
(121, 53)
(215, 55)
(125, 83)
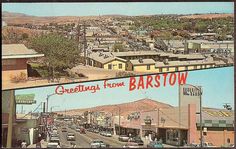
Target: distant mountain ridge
(125, 108)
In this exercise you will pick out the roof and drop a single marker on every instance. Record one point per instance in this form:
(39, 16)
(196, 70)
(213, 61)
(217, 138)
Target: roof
(213, 117)
(103, 57)
(135, 53)
(18, 51)
(182, 63)
(142, 61)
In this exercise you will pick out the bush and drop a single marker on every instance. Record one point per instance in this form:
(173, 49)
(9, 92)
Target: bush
(19, 77)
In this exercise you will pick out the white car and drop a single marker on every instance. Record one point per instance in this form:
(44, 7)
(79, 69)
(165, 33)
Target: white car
(98, 144)
(53, 145)
(70, 136)
(208, 144)
(107, 134)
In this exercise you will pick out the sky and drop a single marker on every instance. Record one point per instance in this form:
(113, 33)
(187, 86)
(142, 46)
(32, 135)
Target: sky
(217, 85)
(128, 8)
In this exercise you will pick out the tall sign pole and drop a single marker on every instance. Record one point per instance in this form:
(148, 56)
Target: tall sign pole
(201, 137)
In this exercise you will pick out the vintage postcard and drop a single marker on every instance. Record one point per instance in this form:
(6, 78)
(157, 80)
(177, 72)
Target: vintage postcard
(118, 75)
(54, 43)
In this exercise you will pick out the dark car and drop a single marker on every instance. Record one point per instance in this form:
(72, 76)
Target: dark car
(82, 131)
(137, 140)
(155, 144)
(64, 129)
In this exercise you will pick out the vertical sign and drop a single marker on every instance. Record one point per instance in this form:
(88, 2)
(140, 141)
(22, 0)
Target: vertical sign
(189, 94)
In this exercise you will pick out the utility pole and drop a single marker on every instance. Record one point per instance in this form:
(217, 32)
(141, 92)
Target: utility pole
(78, 36)
(10, 118)
(85, 44)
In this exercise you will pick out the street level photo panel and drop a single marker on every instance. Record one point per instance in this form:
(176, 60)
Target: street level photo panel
(178, 109)
(55, 43)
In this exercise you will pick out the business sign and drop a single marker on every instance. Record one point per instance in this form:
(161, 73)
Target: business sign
(190, 94)
(148, 120)
(25, 99)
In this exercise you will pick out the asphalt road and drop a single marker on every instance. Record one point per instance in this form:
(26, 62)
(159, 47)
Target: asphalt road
(84, 140)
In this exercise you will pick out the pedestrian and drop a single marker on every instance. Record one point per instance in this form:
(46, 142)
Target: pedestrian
(23, 144)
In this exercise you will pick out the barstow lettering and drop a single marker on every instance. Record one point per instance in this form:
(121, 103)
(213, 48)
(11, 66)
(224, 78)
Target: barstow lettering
(191, 92)
(154, 81)
(60, 90)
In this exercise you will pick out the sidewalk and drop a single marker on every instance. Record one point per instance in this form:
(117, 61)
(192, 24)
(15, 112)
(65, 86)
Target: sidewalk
(44, 144)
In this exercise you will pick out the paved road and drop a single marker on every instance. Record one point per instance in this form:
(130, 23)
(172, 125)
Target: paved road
(84, 140)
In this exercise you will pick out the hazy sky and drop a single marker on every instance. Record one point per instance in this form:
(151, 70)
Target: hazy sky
(218, 88)
(131, 8)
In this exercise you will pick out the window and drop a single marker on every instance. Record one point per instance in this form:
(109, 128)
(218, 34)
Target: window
(148, 67)
(195, 67)
(167, 69)
(176, 68)
(120, 66)
(109, 66)
(160, 70)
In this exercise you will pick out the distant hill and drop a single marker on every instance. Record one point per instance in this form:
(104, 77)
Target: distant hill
(125, 108)
(207, 16)
(12, 14)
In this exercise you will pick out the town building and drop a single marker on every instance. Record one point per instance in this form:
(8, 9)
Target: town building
(106, 61)
(14, 60)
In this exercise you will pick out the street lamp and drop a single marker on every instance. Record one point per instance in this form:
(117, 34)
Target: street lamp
(48, 96)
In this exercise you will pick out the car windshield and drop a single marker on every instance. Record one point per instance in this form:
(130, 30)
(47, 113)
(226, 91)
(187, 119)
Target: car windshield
(97, 141)
(71, 134)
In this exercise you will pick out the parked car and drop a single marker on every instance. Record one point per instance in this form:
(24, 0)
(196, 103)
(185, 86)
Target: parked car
(208, 144)
(137, 140)
(155, 144)
(97, 144)
(70, 136)
(107, 134)
(77, 129)
(123, 138)
(131, 145)
(64, 129)
(191, 145)
(96, 131)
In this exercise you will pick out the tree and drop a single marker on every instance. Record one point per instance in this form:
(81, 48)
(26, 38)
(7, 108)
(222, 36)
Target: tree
(201, 27)
(59, 52)
(118, 47)
(25, 36)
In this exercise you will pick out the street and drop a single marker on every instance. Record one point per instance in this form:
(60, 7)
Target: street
(84, 140)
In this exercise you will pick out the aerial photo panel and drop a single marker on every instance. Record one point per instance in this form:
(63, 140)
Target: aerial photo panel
(118, 75)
